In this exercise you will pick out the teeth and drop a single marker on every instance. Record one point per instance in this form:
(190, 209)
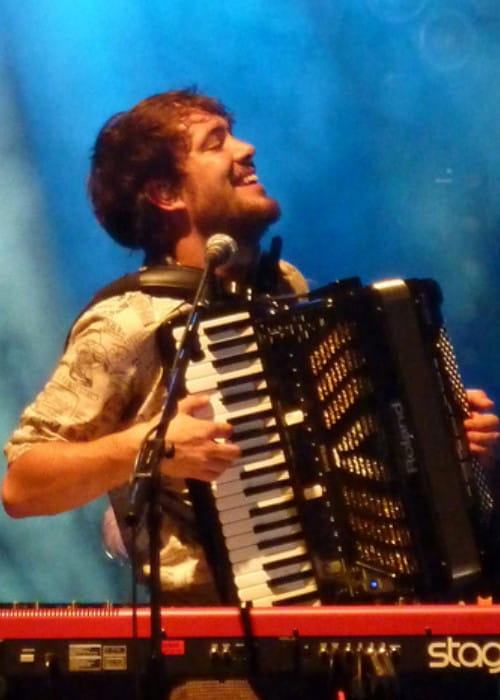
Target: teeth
(249, 179)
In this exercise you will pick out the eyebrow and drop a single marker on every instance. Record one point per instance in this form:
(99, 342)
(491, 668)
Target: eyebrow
(216, 130)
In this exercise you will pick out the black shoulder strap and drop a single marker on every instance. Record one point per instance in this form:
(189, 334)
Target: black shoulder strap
(175, 281)
(181, 282)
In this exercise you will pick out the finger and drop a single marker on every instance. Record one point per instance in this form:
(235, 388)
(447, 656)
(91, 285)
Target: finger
(482, 438)
(202, 468)
(211, 471)
(220, 430)
(216, 468)
(192, 403)
(480, 450)
(482, 421)
(478, 399)
(227, 451)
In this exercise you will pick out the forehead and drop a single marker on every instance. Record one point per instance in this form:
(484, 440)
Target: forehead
(199, 123)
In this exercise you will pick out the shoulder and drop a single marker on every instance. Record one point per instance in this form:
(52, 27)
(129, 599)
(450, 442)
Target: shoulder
(293, 278)
(125, 316)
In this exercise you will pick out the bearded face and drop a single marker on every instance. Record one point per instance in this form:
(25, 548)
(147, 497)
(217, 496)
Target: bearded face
(221, 190)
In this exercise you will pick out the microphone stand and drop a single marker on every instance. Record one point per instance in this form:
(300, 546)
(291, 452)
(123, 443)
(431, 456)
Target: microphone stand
(146, 480)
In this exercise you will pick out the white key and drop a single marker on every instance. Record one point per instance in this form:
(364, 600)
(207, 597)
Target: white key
(219, 321)
(218, 324)
(252, 552)
(263, 459)
(238, 485)
(255, 422)
(259, 560)
(237, 513)
(200, 371)
(232, 393)
(208, 340)
(246, 383)
(245, 476)
(274, 497)
(248, 524)
(251, 539)
(263, 590)
(224, 328)
(216, 410)
(244, 467)
(260, 441)
(266, 576)
(231, 474)
(268, 601)
(250, 406)
(214, 352)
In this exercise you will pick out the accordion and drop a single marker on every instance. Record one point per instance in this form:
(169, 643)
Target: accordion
(355, 482)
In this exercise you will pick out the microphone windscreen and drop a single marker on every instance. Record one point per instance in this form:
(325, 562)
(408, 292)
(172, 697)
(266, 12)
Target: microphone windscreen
(220, 247)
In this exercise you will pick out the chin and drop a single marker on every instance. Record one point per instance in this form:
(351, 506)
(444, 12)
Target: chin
(246, 221)
(264, 210)
(275, 210)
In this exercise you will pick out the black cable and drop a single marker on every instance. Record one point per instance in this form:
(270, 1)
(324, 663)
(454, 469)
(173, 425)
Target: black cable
(135, 646)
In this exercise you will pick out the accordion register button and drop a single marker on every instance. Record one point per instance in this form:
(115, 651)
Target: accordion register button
(294, 417)
(312, 492)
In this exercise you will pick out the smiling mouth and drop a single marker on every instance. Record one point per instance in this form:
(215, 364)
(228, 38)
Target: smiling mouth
(250, 179)
(245, 175)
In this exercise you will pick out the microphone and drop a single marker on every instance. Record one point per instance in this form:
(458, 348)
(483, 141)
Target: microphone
(219, 249)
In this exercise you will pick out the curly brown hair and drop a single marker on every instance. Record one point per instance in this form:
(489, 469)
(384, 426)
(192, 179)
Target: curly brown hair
(146, 143)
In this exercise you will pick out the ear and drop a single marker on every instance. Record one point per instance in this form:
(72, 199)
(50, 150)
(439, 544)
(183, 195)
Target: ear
(161, 196)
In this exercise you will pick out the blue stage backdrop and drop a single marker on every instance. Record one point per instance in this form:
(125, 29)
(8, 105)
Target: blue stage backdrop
(377, 126)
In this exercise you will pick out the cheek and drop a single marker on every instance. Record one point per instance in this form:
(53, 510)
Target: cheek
(216, 166)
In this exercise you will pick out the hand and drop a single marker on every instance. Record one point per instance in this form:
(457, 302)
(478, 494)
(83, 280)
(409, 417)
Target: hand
(201, 447)
(482, 426)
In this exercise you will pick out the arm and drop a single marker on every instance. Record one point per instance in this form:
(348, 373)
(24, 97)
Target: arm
(55, 476)
(482, 426)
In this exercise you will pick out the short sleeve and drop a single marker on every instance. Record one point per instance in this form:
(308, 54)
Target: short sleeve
(110, 360)
(293, 278)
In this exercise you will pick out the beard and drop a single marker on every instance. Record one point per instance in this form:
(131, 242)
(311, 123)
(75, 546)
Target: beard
(245, 221)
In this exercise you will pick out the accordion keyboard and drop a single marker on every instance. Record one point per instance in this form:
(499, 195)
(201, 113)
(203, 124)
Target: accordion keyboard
(254, 497)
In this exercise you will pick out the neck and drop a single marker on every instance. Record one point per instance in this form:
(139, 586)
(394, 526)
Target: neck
(190, 251)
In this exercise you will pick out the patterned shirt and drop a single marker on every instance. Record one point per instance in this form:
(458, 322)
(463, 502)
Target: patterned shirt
(110, 377)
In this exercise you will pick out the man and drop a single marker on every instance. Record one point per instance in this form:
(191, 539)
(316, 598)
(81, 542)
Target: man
(165, 176)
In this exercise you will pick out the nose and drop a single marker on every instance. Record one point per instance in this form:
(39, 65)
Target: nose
(242, 150)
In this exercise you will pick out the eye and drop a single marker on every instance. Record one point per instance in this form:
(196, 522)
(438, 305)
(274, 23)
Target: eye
(215, 140)
(214, 143)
